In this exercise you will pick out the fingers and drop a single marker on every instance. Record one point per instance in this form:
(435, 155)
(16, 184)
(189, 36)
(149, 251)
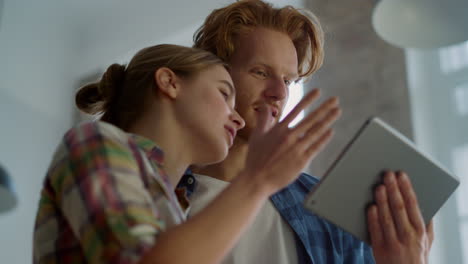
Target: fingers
(312, 119)
(375, 230)
(411, 202)
(306, 101)
(397, 205)
(314, 131)
(317, 146)
(394, 236)
(430, 232)
(309, 138)
(264, 121)
(385, 215)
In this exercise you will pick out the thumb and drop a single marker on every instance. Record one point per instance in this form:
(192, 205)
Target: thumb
(264, 120)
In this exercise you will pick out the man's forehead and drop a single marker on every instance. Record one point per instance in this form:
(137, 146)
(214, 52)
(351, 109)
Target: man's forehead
(267, 47)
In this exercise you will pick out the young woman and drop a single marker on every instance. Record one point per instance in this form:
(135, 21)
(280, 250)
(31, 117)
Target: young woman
(109, 195)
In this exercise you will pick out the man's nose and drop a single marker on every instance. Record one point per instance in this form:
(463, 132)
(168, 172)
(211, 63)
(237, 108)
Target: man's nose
(277, 90)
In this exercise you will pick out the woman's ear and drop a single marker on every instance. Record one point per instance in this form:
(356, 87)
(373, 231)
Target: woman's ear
(167, 82)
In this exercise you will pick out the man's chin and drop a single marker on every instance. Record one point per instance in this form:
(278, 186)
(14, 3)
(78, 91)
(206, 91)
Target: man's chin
(244, 134)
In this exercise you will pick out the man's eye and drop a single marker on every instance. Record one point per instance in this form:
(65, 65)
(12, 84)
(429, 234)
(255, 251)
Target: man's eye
(261, 73)
(287, 82)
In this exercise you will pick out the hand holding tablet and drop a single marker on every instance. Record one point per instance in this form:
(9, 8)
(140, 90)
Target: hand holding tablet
(347, 189)
(397, 230)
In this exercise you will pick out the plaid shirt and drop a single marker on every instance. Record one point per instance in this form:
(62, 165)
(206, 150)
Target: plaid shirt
(317, 240)
(322, 241)
(105, 198)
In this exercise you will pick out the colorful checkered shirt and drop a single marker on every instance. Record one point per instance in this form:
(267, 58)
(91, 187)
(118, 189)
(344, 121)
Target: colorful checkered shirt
(105, 198)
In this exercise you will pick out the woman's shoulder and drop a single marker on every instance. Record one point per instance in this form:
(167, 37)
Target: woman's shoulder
(93, 142)
(95, 130)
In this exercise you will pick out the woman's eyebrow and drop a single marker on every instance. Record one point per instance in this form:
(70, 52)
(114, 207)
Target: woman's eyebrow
(228, 84)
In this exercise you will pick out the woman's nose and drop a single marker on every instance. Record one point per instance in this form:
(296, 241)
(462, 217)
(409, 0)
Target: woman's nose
(238, 120)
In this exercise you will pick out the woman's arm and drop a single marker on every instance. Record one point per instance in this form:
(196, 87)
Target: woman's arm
(209, 235)
(116, 220)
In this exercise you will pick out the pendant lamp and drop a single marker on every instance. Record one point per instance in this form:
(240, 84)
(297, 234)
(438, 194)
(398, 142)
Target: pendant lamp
(422, 24)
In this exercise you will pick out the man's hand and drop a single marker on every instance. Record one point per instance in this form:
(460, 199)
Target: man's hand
(397, 229)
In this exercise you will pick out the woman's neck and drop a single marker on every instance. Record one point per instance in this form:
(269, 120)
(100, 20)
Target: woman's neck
(167, 137)
(229, 168)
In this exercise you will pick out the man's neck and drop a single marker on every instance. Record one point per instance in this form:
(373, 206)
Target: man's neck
(229, 168)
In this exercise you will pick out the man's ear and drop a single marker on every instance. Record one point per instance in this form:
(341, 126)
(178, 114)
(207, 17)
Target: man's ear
(167, 82)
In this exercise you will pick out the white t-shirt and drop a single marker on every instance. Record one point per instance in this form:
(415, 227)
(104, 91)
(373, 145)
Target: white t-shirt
(268, 240)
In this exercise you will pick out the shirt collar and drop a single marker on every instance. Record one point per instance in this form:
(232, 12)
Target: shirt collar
(156, 154)
(153, 151)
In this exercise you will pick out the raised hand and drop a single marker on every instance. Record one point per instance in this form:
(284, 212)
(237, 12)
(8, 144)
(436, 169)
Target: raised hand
(278, 153)
(397, 229)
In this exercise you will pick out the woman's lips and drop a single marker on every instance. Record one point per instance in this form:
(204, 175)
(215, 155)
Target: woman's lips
(231, 131)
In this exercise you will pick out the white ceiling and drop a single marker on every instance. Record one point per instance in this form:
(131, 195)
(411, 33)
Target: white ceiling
(109, 29)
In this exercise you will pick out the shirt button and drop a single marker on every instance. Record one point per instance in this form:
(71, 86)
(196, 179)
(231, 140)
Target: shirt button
(190, 180)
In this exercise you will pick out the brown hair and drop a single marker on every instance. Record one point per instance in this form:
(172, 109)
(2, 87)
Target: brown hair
(122, 93)
(219, 31)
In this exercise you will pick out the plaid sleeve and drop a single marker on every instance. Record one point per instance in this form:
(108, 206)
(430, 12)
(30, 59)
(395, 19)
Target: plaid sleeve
(357, 251)
(102, 196)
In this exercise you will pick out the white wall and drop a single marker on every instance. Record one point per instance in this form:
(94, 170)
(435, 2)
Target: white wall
(438, 85)
(46, 48)
(35, 108)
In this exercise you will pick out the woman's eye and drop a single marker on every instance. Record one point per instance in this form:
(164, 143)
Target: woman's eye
(225, 94)
(287, 82)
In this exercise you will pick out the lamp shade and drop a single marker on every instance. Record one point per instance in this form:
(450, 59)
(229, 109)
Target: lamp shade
(8, 198)
(424, 24)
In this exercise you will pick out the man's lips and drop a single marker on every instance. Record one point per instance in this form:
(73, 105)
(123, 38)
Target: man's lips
(274, 110)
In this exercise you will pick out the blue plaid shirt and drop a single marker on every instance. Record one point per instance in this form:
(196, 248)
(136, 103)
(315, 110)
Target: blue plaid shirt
(317, 240)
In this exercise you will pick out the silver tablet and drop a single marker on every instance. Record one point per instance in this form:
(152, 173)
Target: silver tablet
(346, 189)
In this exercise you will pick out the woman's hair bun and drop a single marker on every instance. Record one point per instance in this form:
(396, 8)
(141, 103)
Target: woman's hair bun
(96, 97)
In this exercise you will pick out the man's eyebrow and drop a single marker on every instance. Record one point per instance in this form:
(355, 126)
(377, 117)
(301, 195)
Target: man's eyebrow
(228, 84)
(265, 66)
